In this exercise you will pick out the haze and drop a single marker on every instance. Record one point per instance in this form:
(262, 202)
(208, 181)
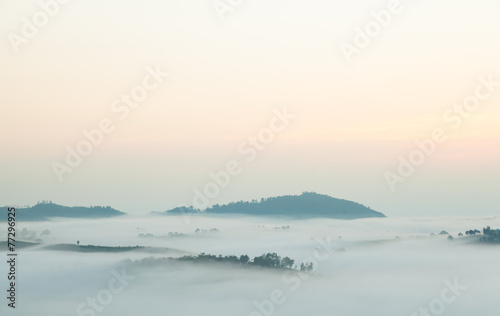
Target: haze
(226, 76)
(374, 274)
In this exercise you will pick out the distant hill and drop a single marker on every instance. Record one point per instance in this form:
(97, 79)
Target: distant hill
(180, 210)
(306, 205)
(94, 249)
(43, 211)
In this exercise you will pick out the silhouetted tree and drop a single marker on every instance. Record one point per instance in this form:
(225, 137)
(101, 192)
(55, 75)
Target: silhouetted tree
(244, 259)
(287, 263)
(306, 267)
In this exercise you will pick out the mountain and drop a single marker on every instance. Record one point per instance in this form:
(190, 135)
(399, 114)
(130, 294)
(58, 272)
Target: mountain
(306, 205)
(42, 212)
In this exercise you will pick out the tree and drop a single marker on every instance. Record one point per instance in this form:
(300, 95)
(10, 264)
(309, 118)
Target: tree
(287, 263)
(244, 259)
(306, 267)
(268, 260)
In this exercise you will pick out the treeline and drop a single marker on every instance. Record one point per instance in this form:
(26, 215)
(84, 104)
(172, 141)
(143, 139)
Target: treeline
(269, 260)
(490, 235)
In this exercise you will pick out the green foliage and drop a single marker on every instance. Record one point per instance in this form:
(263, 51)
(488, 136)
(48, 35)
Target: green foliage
(183, 210)
(491, 235)
(244, 259)
(269, 260)
(472, 232)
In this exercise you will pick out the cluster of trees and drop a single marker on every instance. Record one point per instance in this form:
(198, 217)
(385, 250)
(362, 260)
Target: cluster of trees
(175, 234)
(490, 235)
(272, 260)
(91, 248)
(269, 260)
(49, 202)
(204, 231)
(170, 235)
(141, 235)
(283, 227)
(472, 232)
(182, 210)
(44, 202)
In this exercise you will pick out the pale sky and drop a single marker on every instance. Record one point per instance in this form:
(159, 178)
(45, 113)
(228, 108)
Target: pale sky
(226, 77)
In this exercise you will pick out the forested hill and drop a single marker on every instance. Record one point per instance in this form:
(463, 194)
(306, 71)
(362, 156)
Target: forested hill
(306, 205)
(45, 210)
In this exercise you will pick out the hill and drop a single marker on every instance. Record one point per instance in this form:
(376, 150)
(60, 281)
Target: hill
(306, 205)
(43, 211)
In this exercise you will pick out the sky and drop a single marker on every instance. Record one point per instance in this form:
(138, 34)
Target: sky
(361, 83)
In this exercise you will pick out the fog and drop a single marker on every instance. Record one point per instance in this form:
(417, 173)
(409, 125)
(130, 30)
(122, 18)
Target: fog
(360, 267)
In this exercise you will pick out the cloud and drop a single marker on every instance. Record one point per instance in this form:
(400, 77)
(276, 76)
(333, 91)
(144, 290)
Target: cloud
(376, 274)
